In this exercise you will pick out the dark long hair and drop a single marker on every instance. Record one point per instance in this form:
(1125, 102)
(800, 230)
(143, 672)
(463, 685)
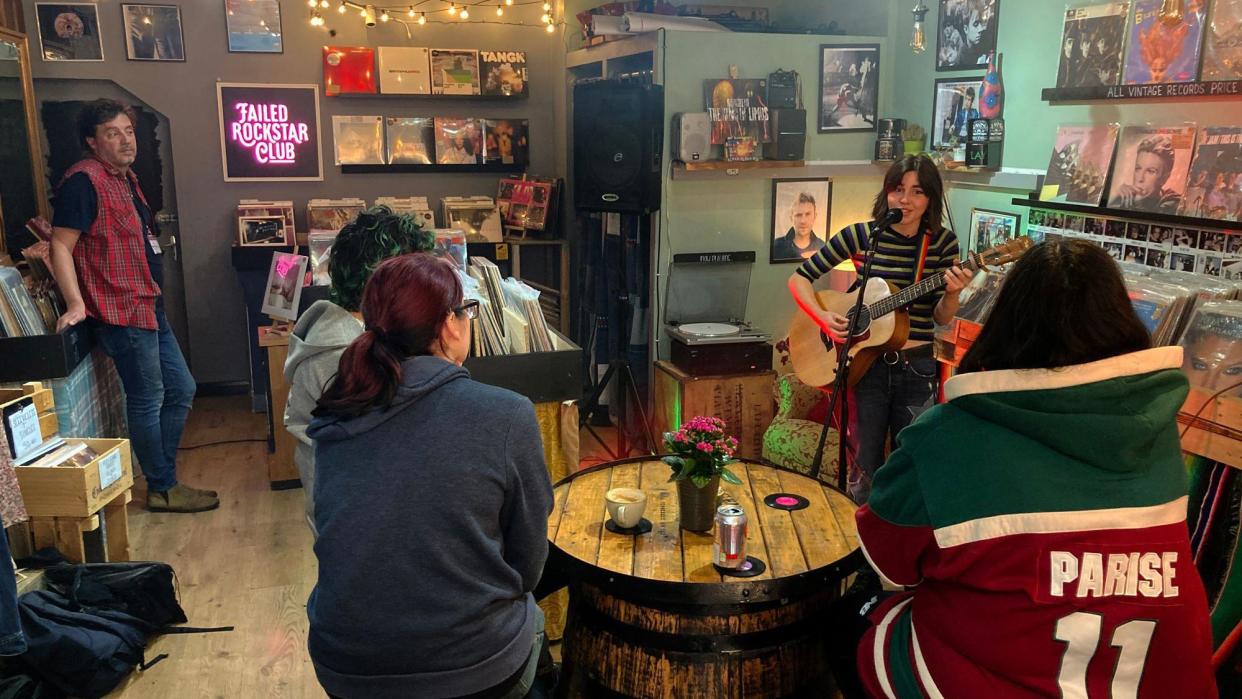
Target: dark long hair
(929, 180)
(404, 305)
(1063, 303)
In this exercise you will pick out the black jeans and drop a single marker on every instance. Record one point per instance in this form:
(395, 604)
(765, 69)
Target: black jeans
(886, 400)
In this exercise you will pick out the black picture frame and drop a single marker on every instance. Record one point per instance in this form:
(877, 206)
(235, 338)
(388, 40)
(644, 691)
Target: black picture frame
(935, 134)
(69, 31)
(864, 90)
(244, 36)
(780, 248)
(132, 18)
(957, 20)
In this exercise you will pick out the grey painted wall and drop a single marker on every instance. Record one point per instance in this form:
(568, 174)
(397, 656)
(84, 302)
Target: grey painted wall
(185, 94)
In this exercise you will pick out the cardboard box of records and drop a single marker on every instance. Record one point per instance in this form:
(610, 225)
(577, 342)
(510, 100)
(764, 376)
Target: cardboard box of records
(60, 477)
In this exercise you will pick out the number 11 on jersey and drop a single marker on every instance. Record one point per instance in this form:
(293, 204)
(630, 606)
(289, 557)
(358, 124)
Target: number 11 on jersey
(1080, 632)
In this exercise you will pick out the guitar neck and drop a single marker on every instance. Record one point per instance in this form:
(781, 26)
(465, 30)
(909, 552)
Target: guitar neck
(913, 292)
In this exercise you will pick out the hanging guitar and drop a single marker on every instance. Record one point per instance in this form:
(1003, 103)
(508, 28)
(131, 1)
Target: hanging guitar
(885, 322)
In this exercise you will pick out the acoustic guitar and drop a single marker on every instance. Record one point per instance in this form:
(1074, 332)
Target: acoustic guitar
(884, 325)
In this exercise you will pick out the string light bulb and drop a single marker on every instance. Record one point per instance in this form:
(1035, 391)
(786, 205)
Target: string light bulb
(312, 3)
(551, 28)
(508, 2)
(410, 14)
(452, 9)
(547, 7)
(316, 20)
(465, 13)
(500, 10)
(324, 4)
(545, 18)
(341, 8)
(918, 38)
(384, 16)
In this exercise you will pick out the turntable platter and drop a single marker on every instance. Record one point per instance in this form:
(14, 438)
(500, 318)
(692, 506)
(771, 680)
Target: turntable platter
(710, 329)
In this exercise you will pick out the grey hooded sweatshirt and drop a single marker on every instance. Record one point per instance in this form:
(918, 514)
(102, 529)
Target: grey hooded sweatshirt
(319, 338)
(432, 519)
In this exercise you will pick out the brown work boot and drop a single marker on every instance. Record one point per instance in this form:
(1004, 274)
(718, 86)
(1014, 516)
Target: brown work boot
(200, 491)
(180, 498)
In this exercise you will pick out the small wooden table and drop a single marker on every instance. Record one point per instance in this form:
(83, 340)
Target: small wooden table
(651, 617)
(282, 472)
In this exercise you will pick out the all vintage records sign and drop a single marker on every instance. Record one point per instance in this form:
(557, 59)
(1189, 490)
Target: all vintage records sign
(269, 132)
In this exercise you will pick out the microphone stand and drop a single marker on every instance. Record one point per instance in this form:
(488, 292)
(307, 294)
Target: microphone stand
(841, 384)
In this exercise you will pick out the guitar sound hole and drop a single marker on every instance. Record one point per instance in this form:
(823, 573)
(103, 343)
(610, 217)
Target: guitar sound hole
(864, 320)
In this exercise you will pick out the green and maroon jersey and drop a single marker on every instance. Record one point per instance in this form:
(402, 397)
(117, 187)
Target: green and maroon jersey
(1040, 518)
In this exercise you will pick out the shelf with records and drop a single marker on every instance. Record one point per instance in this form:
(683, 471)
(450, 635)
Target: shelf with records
(30, 349)
(1179, 174)
(1137, 216)
(411, 71)
(432, 144)
(1149, 49)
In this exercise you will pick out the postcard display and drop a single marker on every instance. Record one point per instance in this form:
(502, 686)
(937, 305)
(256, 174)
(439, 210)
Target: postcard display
(448, 140)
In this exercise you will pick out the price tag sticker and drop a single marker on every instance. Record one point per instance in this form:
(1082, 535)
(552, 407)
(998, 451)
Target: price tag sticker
(110, 469)
(22, 424)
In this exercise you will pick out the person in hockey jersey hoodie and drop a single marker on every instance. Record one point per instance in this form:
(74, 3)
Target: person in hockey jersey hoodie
(1037, 518)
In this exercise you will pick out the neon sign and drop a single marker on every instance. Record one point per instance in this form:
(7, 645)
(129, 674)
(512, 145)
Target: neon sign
(267, 130)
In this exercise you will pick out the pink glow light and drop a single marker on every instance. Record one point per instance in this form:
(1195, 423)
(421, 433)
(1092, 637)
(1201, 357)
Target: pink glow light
(265, 130)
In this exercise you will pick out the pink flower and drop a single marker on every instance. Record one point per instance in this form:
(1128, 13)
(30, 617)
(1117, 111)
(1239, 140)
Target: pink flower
(704, 447)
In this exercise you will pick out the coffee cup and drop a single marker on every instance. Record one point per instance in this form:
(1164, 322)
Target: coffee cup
(625, 506)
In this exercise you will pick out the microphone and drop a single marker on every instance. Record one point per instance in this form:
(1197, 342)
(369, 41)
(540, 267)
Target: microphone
(889, 218)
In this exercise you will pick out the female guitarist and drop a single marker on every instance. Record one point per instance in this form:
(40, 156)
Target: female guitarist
(917, 246)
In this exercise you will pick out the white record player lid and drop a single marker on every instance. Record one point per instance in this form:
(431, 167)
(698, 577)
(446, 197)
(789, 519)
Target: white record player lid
(710, 329)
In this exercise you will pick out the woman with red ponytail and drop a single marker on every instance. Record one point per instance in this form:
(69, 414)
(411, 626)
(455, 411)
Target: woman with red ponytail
(431, 504)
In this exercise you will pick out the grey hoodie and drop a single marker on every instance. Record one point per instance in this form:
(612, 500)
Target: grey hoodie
(319, 338)
(432, 519)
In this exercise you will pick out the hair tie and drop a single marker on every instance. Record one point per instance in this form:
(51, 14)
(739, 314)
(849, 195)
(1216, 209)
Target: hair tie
(379, 335)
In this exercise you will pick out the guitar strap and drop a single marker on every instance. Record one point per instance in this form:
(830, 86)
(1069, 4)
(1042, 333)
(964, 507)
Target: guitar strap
(918, 271)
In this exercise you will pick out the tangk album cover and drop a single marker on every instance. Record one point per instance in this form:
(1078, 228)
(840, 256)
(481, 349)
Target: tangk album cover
(1152, 165)
(1163, 49)
(1091, 45)
(503, 73)
(1215, 184)
(1078, 169)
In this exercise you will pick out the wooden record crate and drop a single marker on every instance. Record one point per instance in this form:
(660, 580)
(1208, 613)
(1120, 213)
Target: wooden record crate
(78, 491)
(1212, 427)
(743, 401)
(43, 403)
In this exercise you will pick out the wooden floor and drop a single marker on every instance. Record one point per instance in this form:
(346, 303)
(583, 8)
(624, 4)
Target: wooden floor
(248, 564)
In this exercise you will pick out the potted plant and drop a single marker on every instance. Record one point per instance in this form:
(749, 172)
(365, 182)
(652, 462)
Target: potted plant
(913, 135)
(701, 454)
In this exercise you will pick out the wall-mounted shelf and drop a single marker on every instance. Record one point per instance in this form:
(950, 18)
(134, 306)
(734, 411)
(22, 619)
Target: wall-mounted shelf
(433, 98)
(1018, 180)
(1144, 216)
(501, 168)
(767, 169)
(1219, 89)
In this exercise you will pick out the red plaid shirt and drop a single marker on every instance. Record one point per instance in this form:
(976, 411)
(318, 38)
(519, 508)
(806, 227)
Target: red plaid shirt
(113, 275)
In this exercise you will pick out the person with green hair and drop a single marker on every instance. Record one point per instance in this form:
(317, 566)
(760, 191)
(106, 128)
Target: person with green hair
(326, 328)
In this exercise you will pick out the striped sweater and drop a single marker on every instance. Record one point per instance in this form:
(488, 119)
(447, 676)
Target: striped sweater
(1040, 518)
(896, 261)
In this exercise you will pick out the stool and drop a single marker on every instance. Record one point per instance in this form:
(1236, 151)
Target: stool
(72, 535)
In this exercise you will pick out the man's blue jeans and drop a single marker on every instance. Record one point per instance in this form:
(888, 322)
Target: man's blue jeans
(158, 393)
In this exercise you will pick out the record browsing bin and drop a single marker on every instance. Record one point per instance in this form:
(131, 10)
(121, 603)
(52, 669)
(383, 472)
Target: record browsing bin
(51, 356)
(78, 491)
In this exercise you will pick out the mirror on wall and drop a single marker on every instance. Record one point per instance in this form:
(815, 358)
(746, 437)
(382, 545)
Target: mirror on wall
(22, 191)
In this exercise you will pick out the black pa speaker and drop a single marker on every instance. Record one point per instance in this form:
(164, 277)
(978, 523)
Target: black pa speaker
(618, 140)
(788, 134)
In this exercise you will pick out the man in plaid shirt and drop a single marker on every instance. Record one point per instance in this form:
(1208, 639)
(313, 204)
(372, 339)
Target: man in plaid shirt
(106, 257)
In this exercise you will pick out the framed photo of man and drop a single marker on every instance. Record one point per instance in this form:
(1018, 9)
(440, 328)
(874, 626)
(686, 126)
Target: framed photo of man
(801, 210)
(966, 33)
(955, 103)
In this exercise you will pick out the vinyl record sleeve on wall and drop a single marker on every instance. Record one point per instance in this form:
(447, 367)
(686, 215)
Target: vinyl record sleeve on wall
(1162, 51)
(1152, 166)
(454, 72)
(404, 70)
(348, 70)
(358, 140)
(1092, 45)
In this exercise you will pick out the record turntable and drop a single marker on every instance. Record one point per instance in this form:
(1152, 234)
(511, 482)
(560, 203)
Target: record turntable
(704, 310)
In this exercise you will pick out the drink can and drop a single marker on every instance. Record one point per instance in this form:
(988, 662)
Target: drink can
(729, 547)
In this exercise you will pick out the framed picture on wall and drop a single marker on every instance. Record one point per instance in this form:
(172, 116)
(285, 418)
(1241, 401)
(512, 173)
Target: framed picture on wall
(991, 228)
(269, 132)
(69, 31)
(966, 33)
(253, 26)
(261, 231)
(849, 95)
(801, 210)
(153, 32)
(956, 102)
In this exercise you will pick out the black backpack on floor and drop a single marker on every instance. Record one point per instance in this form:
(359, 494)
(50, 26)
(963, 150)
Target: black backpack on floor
(88, 630)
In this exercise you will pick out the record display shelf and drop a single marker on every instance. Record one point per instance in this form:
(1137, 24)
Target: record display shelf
(431, 98)
(1218, 89)
(1145, 216)
(43, 357)
(498, 168)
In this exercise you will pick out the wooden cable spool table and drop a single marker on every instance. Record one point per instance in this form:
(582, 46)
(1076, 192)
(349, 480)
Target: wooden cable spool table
(650, 616)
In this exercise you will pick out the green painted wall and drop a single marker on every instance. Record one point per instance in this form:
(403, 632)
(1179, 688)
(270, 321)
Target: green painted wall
(735, 214)
(1030, 35)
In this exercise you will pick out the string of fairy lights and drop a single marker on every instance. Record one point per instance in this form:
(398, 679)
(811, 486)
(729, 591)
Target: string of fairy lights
(482, 11)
